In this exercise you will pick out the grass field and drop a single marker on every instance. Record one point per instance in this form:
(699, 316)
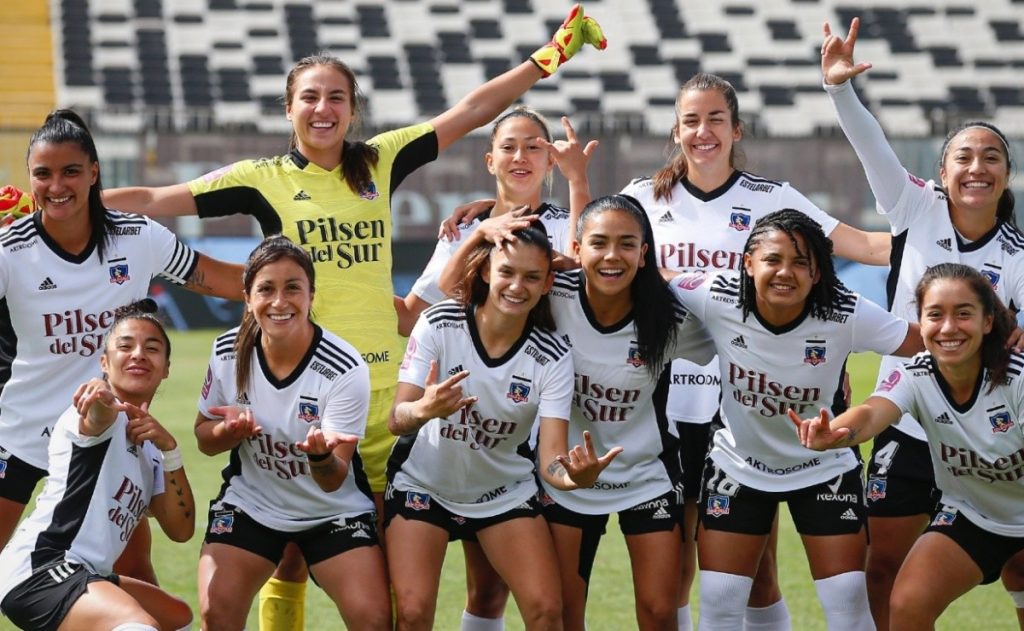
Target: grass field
(611, 597)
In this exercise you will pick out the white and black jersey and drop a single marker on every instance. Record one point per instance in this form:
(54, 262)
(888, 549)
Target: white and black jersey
(267, 476)
(707, 231)
(923, 232)
(618, 401)
(977, 448)
(56, 308)
(554, 218)
(97, 491)
(478, 462)
(768, 370)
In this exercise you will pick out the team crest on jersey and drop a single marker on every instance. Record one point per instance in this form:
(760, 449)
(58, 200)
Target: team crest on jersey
(689, 282)
(718, 505)
(3, 469)
(944, 518)
(222, 523)
(459, 519)
(545, 499)
(633, 358)
(519, 390)
(1001, 422)
(417, 501)
(889, 382)
(119, 273)
(876, 488)
(370, 192)
(208, 382)
(991, 277)
(739, 221)
(309, 412)
(814, 354)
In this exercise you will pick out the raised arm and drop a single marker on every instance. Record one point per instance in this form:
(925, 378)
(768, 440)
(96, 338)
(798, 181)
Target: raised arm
(572, 159)
(160, 201)
(855, 426)
(870, 248)
(484, 103)
(885, 174)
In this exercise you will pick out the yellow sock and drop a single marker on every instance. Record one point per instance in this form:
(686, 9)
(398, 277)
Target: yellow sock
(282, 606)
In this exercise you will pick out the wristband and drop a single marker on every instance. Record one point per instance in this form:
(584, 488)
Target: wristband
(319, 457)
(172, 460)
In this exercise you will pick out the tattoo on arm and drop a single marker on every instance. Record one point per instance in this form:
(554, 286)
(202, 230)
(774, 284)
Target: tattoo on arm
(324, 467)
(197, 280)
(851, 438)
(556, 469)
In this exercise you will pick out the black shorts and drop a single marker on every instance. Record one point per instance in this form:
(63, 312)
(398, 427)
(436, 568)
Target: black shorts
(831, 508)
(663, 513)
(231, 526)
(900, 481)
(416, 506)
(694, 443)
(988, 550)
(43, 600)
(18, 479)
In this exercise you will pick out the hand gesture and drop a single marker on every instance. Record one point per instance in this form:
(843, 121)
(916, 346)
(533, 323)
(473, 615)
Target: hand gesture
(462, 215)
(837, 55)
(319, 443)
(142, 427)
(93, 391)
(239, 422)
(440, 400)
(582, 466)
(498, 230)
(571, 159)
(817, 433)
(575, 31)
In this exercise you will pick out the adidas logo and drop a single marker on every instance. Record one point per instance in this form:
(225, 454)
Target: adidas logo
(944, 419)
(739, 342)
(47, 284)
(945, 244)
(242, 399)
(848, 515)
(360, 534)
(666, 218)
(302, 196)
(661, 513)
(455, 371)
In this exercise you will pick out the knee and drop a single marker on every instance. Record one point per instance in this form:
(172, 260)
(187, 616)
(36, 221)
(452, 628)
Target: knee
(657, 612)
(414, 613)
(1013, 574)
(178, 615)
(486, 598)
(219, 618)
(545, 613)
(882, 568)
(371, 618)
(909, 603)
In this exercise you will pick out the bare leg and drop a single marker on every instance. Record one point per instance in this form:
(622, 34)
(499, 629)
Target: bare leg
(416, 552)
(523, 554)
(655, 561)
(935, 573)
(891, 540)
(136, 561)
(229, 578)
(357, 583)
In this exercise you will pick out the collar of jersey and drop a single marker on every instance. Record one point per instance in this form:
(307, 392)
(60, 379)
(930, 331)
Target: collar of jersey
(37, 219)
(964, 246)
(281, 384)
(481, 351)
(785, 328)
(947, 392)
(710, 195)
(592, 319)
(304, 164)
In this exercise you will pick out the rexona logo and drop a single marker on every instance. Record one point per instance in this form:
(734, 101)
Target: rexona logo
(76, 332)
(345, 243)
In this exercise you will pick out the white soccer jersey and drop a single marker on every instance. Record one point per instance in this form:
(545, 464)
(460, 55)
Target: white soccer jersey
(698, 231)
(618, 401)
(267, 476)
(977, 448)
(767, 370)
(97, 491)
(923, 236)
(478, 461)
(56, 309)
(556, 223)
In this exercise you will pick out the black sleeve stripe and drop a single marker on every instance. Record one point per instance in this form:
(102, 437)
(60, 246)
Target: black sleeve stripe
(1011, 234)
(332, 361)
(546, 345)
(568, 280)
(338, 355)
(559, 344)
(225, 343)
(444, 311)
(412, 156)
(183, 263)
(239, 199)
(758, 178)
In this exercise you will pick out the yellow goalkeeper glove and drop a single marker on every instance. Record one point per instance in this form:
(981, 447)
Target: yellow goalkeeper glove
(575, 31)
(14, 204)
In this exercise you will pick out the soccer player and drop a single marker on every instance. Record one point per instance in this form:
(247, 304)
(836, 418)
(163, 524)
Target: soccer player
(623, 324)
(288, 399)
(967, 393)
(965, 217)
(111, 462)
(63, 271)
(332, 195)
(783, 328)
(477, 375)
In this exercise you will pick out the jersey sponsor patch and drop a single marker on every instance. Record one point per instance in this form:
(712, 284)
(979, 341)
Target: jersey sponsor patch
(309, 411)
(916, 180)
(47, 284)
(890, 382)
(417, 501)
(207, 383)
(991, 276)
(1001, 422)
(739, 221)
(3, 469)
(946, 244)
(814, 352)
(410, 352)
(370, 192)
(876, 488)
(222, 523)
(944, 517)
(849, 515)
(689, 282)
(216, 173)
(718, 505)
(119, 274)
(519, 390)
(302, 196)
(633, 357)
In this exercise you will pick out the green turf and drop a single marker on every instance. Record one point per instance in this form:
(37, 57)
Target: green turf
(611, 598)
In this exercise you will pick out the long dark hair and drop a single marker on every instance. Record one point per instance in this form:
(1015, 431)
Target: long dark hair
(825, 294)
(654, 305)
(63, 126)
(472, 290)
(995, 357)
(144, 309)
(1004, 208)
(270, 250)
(673, 172)
(357, 157)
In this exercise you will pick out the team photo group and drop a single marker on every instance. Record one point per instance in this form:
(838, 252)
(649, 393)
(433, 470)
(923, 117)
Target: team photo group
(550, 367)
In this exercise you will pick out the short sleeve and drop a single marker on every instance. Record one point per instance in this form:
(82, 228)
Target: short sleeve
(212, 393)
(877, 330)
(419, 352)
(792, 198)
(898, 388)
(176, 260)
(426, 286)
(557, 389)
(349, 403)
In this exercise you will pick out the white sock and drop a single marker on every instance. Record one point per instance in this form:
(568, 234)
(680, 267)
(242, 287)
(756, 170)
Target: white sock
(683, 619)
(774, 617)
(134, 626)
(844, 597)
(1018, 599)
(476, 623)
(723, 598)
